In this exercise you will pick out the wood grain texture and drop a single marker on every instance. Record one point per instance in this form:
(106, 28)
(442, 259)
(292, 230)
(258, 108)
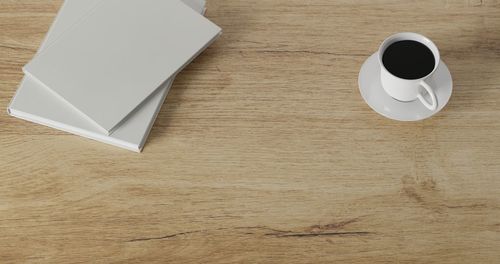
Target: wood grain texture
(265, 151)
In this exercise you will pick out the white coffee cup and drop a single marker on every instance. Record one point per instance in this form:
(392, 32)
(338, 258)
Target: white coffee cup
(404, 89)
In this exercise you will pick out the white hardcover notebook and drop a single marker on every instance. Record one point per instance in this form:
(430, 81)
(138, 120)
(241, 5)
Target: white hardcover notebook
(108, 63)
(34, 102)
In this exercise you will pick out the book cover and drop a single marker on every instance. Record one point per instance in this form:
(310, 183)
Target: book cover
(119, 55)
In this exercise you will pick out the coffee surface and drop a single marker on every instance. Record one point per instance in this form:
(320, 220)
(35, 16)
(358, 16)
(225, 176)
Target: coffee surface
(408, 59)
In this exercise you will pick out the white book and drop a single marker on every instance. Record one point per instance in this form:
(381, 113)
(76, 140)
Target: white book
(34, 102)
(111, 61)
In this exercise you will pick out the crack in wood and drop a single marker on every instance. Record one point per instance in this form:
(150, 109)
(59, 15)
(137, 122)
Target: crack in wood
(319, 228)
(312, 231)
(207, 230)
(470, 206)
(359, 233)
(166, 236)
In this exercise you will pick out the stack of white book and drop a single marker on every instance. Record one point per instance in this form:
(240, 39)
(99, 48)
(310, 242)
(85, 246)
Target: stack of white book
(106, 66)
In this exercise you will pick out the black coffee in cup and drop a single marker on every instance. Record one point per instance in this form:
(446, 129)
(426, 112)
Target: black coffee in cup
(408, 59)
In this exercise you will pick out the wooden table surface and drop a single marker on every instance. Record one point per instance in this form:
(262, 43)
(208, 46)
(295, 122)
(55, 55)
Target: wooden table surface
(265, 151)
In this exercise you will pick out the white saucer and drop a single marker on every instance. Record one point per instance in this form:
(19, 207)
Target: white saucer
(371, 89)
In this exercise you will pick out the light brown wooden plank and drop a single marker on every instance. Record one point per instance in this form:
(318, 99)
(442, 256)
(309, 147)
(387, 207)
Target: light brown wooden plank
(265, 152)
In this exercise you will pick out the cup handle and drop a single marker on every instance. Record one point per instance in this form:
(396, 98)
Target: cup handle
(431, 105)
